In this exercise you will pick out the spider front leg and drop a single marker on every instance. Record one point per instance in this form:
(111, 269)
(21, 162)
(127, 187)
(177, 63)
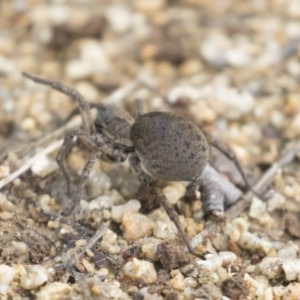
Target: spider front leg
(163, 201)
(83, 177)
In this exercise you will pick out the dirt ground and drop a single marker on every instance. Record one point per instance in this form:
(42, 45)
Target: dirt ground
(231, 67)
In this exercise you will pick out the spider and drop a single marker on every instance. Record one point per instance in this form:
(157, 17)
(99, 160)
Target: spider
(159, 145)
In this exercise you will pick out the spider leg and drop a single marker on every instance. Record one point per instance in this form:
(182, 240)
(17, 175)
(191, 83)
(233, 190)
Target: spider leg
(83, 177)
(84, 106)
(148, 180)
(68, 141)
(225, 149)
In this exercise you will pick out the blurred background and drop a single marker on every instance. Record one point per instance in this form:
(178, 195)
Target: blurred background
(230, 66)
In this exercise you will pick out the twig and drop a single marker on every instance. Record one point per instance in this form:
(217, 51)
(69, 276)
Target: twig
(244, 202)
(90, 243)
(52, 147)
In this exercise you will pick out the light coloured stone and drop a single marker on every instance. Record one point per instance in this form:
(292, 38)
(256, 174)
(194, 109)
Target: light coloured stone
(4, 171)
(178, 283)
(227, 257)
(149, 248)
(164, 230)
(174, 192)
(253, 243)
(54, 291)
(277, 201)
(135, 226)
(271, 267)
(257, 208)
(7, 274)
(110, 237)
(291, 292)
(36, 276)
(43, 165)
(291, 269)
(118, 210)
(140, 270)
(290, 252)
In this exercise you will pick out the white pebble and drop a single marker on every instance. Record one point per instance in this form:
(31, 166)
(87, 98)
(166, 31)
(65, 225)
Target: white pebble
(238, 57)
(174, 192)
(119, 18)
(164, 230)
(43, 165)
(290, 252)
(271, 267)
(6, 276)
(291, 269)
(253, 243)
(257, 208)
(140, 270)
(35, 277)
(227, 257)
(118, 211)
(276, 202)
(97, 184)
(54, 291)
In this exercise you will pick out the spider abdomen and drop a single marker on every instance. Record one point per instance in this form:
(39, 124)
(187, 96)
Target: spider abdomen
(169, 146)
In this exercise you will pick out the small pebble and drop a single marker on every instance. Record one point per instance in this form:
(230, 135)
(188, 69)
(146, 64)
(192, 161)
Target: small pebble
(36, 276)
(277, 201)
(54, 291)
(253, 243)
(118, 211)
(291, 269)
(6, 276)
(257, 208)
(291, 292)
(290, 252)
(4, 171)
(140, 270)
(174, 192)
(135, 226)
(271, 267)
(178, 282)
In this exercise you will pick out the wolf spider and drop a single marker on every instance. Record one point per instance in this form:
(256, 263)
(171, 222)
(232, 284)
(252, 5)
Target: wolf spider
(159, 145)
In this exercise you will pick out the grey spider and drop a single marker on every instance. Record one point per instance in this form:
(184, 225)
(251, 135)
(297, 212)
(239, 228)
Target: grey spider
(159, 145)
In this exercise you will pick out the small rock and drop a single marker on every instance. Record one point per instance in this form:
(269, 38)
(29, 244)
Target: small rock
(130, 206)
(291, 292)
(235, 288)
(164, 230)
(291, 269)
(149, 6)
(97, 184)
(6, 276)
(171, 254)
(227, 257)
(276, 202)
(54, 291)
(177, 282)
(140, 270)
(35, 277)
(271, 267)
(135, 226)
(253, 243)
(43, 165)
(110, 237)
(4, 171)
(257, 208)
(174, 192)
(149, 248)
(290, 252)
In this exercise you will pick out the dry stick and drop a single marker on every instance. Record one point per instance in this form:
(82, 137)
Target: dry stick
(241, 205)
(90, 243)
(52, 147)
